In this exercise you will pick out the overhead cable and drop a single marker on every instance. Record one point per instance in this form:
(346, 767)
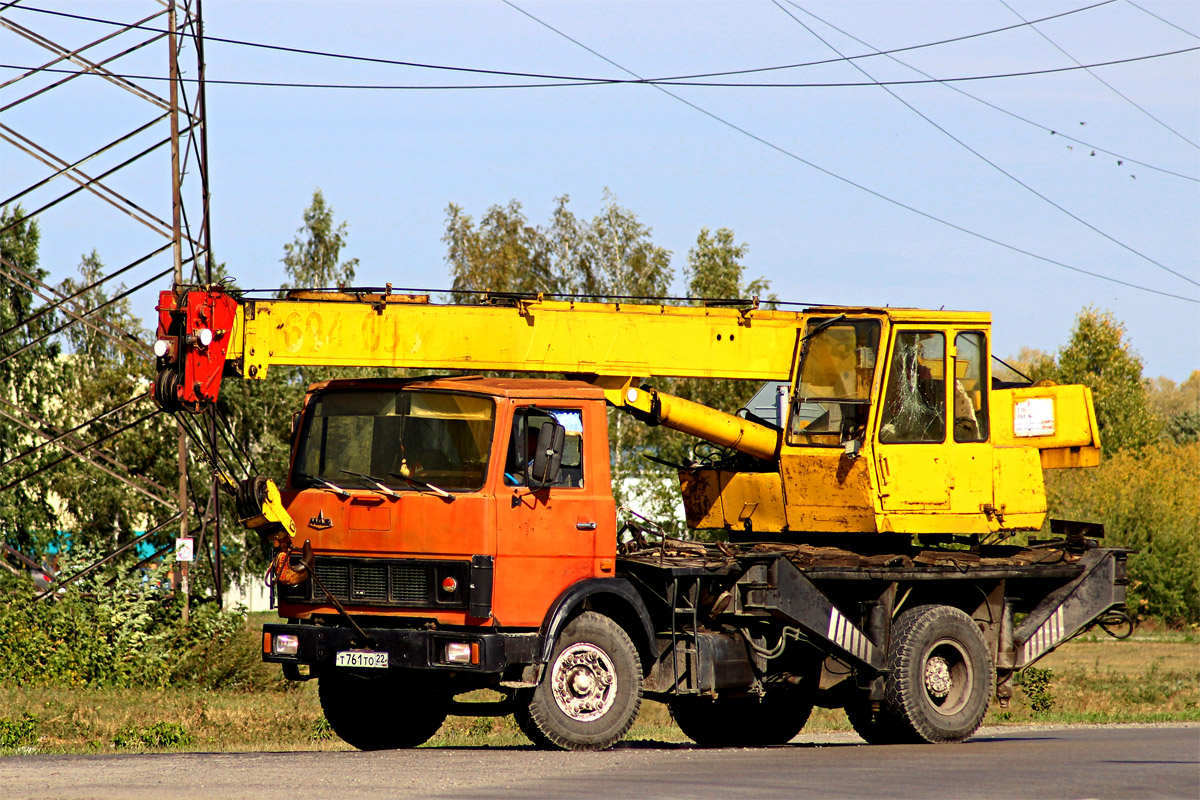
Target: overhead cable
(640, 81)
(82, 449)
(1157, 17)
(984, 158)
(82, 317)
(52, 306)
(556, 77)
(28, 282)
(850, 182)
(993, 106)
(67, 433)
(57, 585)
(1111, 88)
(71, 444)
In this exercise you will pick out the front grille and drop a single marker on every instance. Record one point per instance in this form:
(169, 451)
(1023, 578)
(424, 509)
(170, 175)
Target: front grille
(410, 584)
(335, 577)
(406, 583)
(370, 582)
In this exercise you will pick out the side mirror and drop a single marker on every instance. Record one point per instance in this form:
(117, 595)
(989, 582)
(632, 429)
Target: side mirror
(547, 459)
(295, 425)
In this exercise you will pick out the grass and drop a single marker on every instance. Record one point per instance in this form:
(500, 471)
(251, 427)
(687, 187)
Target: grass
(1155, 678)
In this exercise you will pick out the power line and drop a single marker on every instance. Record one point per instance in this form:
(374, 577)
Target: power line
(984, 158)
(1157, 17)
(545, 76)
(848, 181)
(1112, 88)
(994, 107)
(681, 79)
(610, 82)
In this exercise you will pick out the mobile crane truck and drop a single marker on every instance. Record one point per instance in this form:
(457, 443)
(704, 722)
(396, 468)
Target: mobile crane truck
(439, 535)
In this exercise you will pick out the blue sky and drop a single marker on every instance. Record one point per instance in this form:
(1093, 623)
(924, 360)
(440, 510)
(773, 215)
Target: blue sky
(389, 162)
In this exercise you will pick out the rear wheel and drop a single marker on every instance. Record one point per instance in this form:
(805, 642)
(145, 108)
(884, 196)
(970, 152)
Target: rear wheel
(877, 726)
(748, 721)
(388, 712)
(942, 676)
(590, 691)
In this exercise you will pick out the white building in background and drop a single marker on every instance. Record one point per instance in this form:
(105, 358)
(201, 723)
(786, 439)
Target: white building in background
(250, 592)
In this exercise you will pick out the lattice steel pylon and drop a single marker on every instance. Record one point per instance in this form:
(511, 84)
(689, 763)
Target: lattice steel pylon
(144, 76)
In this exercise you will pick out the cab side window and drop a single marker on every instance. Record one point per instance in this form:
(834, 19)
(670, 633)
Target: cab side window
(970, 388)
(914, 408)
(527, 423)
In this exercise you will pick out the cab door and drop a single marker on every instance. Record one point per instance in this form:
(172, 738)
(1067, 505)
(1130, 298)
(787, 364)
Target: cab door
(546, 537)
(971, 449)
(911, 448)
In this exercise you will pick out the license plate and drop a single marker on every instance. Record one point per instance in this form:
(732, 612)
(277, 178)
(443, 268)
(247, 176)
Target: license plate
(361, 658)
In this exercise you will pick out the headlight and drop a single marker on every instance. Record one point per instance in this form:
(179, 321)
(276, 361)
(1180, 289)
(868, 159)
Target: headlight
(285, 644)
(462, 653)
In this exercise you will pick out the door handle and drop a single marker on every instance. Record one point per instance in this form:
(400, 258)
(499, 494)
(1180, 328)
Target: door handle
(585, 526)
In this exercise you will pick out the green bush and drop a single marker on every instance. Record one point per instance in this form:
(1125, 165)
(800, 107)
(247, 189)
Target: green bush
(158, 734)
(1035, 683)
(1147, 500)
(17, 732)
(126, 634)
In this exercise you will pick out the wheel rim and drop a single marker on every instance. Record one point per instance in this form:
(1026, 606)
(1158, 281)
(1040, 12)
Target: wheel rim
(584, 682)
(947, 677)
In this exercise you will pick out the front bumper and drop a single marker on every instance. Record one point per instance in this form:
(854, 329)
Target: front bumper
(406, 648)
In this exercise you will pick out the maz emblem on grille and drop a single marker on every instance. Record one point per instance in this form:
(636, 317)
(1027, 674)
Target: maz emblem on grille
(320, 521)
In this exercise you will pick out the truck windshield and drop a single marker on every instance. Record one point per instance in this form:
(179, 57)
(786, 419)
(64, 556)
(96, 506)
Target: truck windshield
(437, 438)
(832, 396)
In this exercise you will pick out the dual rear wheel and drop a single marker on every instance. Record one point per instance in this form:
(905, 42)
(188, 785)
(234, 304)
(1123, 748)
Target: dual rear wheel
(940, 682)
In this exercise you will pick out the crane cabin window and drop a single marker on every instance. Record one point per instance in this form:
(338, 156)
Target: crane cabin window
(970, 387)
(832, 397)
(438, 438)
(914, 405)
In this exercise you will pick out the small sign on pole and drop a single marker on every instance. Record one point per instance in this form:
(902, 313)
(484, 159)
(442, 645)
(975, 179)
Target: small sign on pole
(185, 549)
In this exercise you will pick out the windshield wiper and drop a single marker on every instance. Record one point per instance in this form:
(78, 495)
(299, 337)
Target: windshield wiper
(333, 487)
(374, 483)
(442, 493)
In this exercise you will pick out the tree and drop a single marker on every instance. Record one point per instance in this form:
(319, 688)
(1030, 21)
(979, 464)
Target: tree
(27, 381)
(503, 254)
(311, 260)
(1100, 356)
(715, 271)
(96, 376)
(715, 268)
(1028, 364)
(1178, 407)
(612, 256)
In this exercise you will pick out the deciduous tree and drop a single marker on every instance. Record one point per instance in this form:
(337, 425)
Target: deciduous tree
(1099, 355)
(28, 364)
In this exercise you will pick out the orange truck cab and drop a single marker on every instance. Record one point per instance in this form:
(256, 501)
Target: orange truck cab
(454, 535)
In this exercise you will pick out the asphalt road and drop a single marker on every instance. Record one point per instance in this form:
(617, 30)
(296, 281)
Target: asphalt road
(1110, 762)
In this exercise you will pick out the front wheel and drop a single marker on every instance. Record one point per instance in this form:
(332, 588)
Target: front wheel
(942, 676)
(590, 691)
(389, 712)
(748, 721)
